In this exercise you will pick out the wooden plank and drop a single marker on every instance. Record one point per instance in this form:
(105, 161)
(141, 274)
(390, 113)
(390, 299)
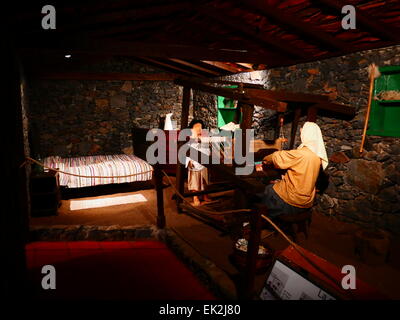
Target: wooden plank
(211, 189)
(227, 82)
(284, 95)
(158, 181)
(122, 14)
(336, 108)
(295, 123)
(170, 66)
(234, 94)
(195, 66)
(180, 173)
(312, 114)
(106, 76)
(49, 45)
(247, 116)
(223, 66)
(373, 26)
(124, 29)
(295, 24)
(246, 65)
(269, 42)
(252, 252)
(247, 120)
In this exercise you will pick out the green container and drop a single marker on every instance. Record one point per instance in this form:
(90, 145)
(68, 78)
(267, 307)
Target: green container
(226, 109)
(384, 118)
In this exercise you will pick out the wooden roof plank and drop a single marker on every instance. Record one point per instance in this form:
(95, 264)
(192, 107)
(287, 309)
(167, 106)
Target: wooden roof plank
(284, 95)
(221, 65)
(106, 76)
(265, 41)
(170, 66)
(195, 66)
(297, 25)
(126, 48)
(369, 23)
(233, 94)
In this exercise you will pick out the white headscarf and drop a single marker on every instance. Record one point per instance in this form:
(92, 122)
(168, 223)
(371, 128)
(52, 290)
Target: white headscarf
(311, 137)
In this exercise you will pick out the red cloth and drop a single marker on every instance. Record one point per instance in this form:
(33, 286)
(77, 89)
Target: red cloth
(128, 270)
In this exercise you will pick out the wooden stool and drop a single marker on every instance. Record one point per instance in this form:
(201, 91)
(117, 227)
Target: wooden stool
(296, 223)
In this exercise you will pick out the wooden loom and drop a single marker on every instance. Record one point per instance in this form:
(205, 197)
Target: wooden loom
(247, 96)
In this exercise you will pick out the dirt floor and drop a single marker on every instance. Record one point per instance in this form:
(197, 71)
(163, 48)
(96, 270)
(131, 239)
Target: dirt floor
(328, 237)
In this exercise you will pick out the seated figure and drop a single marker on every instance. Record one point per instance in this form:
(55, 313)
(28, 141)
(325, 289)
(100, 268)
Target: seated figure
(295, 192)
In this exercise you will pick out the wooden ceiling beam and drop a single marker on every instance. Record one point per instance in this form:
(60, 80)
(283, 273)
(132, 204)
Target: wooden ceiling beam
(170, 66)
(246, 65)
(221, 65)
(125, 48)
(269, 42)
(120, 15)
(287, 96)
(194, 66)
(369, 23)
(117, 30)
(106, 76)
(234, 94)
(295, 24)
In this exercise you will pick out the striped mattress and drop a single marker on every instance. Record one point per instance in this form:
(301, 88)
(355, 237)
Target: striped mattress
(102, 165)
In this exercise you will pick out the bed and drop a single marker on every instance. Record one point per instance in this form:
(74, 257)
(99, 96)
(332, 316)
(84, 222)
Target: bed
(113, 166)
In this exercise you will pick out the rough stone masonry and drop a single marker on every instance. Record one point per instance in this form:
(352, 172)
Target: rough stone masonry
(95, 117)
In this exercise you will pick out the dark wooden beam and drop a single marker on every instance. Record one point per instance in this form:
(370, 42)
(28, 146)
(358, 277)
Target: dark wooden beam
(154, 50)
(158, 184)
(180, 170)
(252, 253)
(370, 24)
(195, 66)
(235, 94)
(295, 123)
(247, 117)
(227, 82)
(170, 66)
(336, 108)
(223, 66)
(296, 25)
(106, 76)
(266, 41)
(312, 113)
(124, 14)
(126, 28)
(284, 95)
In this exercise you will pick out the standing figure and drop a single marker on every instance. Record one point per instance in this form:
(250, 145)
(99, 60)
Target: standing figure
(197, 173)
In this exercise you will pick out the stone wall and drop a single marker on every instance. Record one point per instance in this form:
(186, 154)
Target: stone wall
(78, 118)
(204, 108)
(363, 188)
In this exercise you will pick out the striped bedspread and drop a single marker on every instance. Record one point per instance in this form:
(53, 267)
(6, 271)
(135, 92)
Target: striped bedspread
(104, 165)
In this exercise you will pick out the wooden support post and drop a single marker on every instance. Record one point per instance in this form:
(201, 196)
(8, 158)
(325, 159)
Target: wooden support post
(180, 169)
(247, 120)
(312, 114)
(277, 125)
(158, 182)
(295, 123)
(247, 115)
(252, 252)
